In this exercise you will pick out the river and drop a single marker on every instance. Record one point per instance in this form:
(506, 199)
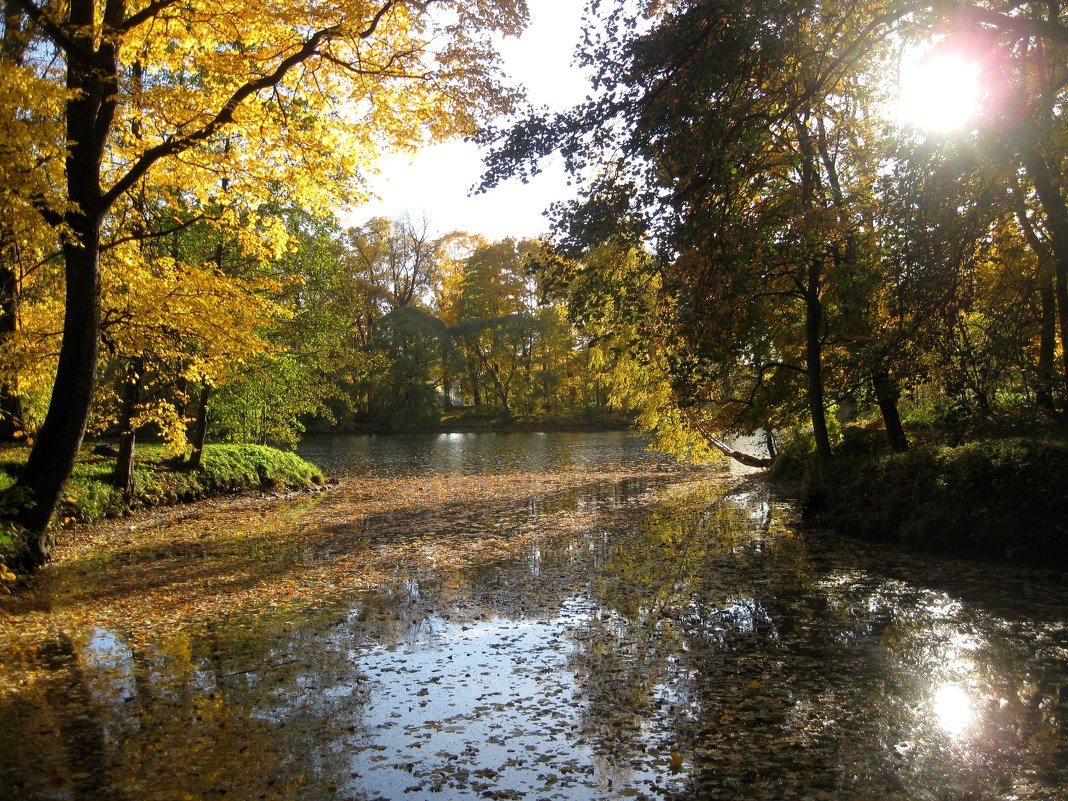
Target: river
(524, 616)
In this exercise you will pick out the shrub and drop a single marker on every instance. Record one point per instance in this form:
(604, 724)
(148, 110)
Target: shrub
(90, 496)
(995, 499)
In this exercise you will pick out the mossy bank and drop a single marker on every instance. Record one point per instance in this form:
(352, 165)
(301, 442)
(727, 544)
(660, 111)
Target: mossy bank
(1003, 499)
(90, 494)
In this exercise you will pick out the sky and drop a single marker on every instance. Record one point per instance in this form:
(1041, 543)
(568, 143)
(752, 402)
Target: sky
(437, 181)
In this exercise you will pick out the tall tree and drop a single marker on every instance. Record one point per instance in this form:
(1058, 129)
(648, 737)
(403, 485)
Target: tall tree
(739, 148)
(399, 256)
(495, 327)
(294, 91)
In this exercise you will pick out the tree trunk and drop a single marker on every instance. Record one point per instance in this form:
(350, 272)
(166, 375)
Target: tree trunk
(200, 428)
(1061, 293)
(810, 290)
(476, 392)
(1049, 195)
(60, 436)
(814, 361)
(1047, 316)
(12, 49)
(886, 393)
(123, 477)
(10, 404)
(1047, 347)
(92, 70)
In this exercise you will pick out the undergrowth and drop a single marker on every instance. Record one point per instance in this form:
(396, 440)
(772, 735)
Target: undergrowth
(90, 495)
(993, 499)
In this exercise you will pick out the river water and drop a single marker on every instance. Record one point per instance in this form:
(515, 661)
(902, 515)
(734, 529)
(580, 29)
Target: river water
(558, 616)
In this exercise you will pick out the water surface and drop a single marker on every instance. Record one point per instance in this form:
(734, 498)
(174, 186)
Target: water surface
(618, 628)
(473, 453)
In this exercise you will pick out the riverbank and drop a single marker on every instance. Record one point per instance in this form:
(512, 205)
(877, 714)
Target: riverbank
(1001, 499)
(90, 495)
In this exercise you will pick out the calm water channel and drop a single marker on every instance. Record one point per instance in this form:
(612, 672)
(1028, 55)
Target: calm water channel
(639, 630)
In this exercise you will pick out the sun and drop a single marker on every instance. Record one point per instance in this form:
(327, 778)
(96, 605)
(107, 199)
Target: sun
(938, 90)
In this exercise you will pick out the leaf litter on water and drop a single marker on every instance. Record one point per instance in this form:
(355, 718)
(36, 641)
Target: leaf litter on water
(515, 636)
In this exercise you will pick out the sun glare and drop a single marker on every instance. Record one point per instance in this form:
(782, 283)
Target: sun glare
(938, 91)
(953, 709)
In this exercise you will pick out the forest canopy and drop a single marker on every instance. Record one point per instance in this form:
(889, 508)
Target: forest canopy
(811, 248)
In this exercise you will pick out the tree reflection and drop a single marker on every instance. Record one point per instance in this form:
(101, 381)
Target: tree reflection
(730, 639)
(667, 641)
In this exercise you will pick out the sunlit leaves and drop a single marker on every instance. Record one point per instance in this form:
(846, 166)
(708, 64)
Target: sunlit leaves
(220, 111)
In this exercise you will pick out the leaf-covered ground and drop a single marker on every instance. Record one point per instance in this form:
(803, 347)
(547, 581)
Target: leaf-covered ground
(629, 630)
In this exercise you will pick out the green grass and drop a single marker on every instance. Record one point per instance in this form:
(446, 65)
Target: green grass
(89, 495)
(993, 499)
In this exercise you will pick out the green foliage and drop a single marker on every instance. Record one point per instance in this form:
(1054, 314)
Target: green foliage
(90, 495)
(794, 459)
(997, 499)
(411, 346)
(236, 467)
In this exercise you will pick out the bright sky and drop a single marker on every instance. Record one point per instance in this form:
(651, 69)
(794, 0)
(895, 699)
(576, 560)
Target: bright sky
(437, 181)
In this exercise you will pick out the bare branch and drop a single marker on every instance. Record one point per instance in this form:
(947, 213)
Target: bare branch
(368, 32)
(154, 234)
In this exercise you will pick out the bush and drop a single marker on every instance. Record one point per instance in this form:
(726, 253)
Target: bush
(997, 499)
(89, 495)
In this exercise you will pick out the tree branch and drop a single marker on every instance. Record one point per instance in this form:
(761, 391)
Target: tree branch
(1021, 27)
(224, 117)
(145, 14)
(727, 450)
(52, 29)
(154, 234)
(369, 31)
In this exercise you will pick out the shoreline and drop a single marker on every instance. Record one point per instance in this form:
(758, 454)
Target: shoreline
(998, 501)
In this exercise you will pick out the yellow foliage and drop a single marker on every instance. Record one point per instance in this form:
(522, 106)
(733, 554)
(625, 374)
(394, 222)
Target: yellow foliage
(168, 421)
(224, 111)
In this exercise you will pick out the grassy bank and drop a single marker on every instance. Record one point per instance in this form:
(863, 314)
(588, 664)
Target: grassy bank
(90, 495)
(1003, 499)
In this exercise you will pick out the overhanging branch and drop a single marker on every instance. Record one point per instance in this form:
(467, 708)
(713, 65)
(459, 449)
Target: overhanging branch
(59, 36)
(224, 117)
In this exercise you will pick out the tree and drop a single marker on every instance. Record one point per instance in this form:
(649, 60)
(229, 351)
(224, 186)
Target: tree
(314, 355)
(397, 255)
(30, 158)
(494, 327)
(178, 94)
(739, 147)
(187, 309)
(412, 346)
(746, 145)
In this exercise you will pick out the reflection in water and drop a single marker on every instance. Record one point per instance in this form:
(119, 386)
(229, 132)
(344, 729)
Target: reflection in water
(476, 453)
(953, 708)
(684, 642)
